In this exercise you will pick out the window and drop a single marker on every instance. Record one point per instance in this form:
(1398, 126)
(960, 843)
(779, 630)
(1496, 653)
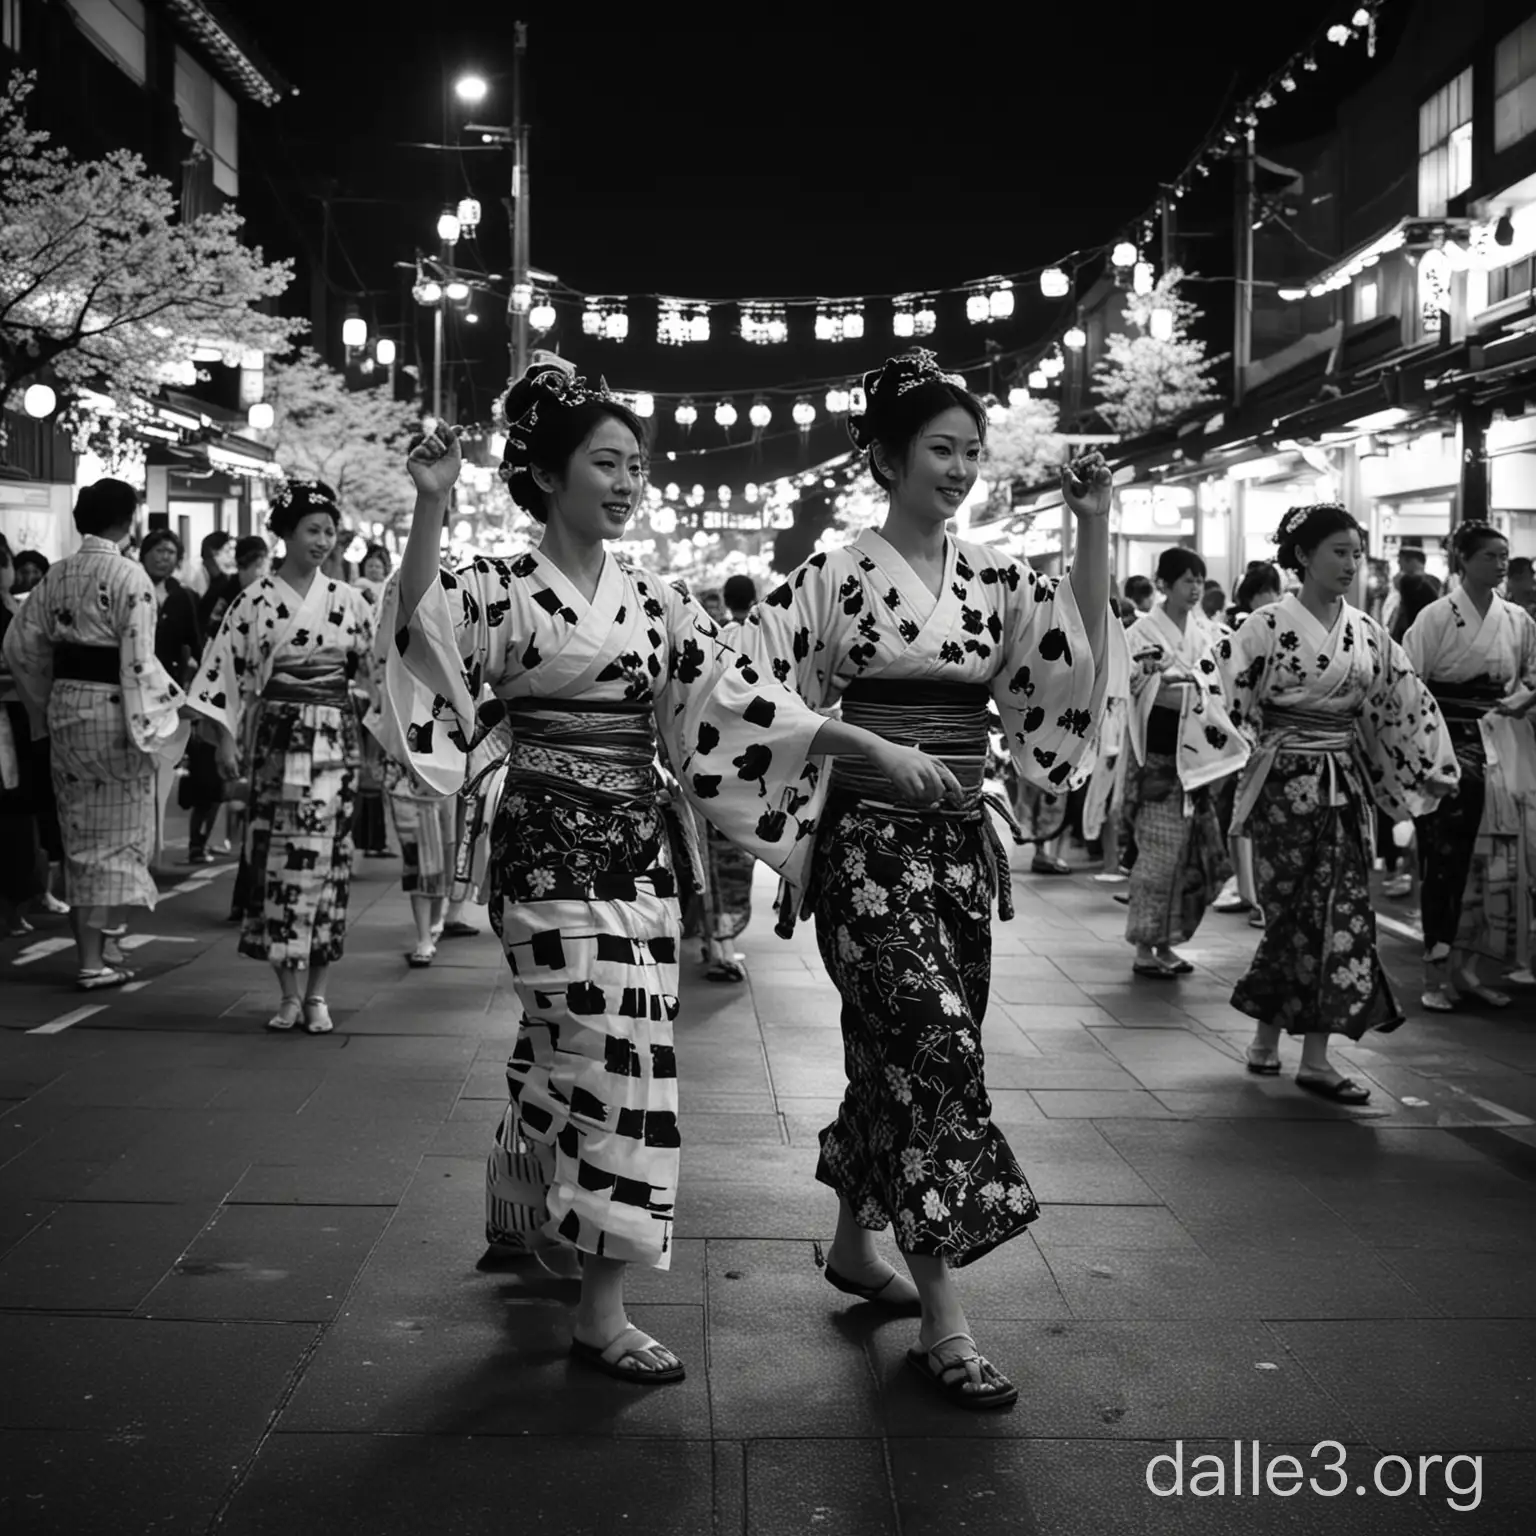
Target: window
(117, 28)
(209, 115)
(1509, 282)
(1445, 145)
(1367, 299)
(10, 25)
(1514, 86)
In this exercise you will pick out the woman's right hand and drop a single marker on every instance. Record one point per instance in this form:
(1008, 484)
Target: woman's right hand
(227, 758)
(917, 777)
(435, 461)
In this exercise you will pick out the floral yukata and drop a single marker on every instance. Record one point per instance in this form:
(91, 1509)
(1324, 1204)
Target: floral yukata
(1176, 755)
(902, 896)
(1478, 846)
(280, 676)
(588, 858)
(82, 651)
(1337, 717)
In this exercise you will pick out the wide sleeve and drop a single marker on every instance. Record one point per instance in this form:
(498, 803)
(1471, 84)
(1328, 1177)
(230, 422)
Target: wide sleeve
(1242, 658)
(791, 634)
(430, 666)
(1404, 734)
(738, 740)
(1051, 694)
(151, 699)
(1422, 640)
(226, 681)
(29, 659)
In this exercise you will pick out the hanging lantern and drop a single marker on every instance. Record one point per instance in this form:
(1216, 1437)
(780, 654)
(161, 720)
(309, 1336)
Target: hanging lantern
(696, 498)
(858, 401)
(1287, 82)
(723, 495)
(1142, 278)
(1054, 283)
(427, 291)
(385, 352)
(663, 520)
(457, 292)
(260, 416)
(804, 414)
(1052, 364)
(1000, 301)
(469, 215)
(615, 320)
(829, 324)
(902, 323)
(1038, 380)
(1017, 397)
(448, 229)
(686, 413)
(749, 491)
(837, 401)
(644, 406)
(725, 415)
(354, 332)
(1076, 338)
(519, 301)
(923, 321)
(764, 324)
(853, 323)
(542, 316)
(1125, 255)
(698, 324)
(671, 323)
(1160, 324)
(672, 492)
(976, 307)
(1340, 33)
(760, 415)
(592, 319)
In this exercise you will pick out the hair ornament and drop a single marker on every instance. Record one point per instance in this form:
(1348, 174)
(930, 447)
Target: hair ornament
(892, 380)
(1293, 521)
(314, 494)
(551, 384)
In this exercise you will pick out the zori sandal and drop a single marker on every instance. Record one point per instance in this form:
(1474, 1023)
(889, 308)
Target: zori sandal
(633, 1344)
(1343, 1090)
(104, 976)
(287, 1015)
(875, 1294)
(951, 1380)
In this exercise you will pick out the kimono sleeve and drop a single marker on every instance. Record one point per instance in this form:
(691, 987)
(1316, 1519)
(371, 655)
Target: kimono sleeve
(151, 698)
(739, 742)
(1242, 658)
(29, 659)
(1404, 735)
(1050, 693)
(1422, 640)
(786, 634)
(225, 685)
(429, 667)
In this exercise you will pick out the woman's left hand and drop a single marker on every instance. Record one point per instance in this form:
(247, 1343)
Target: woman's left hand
(1517, 705)
(1439, 787)
(1088, 486)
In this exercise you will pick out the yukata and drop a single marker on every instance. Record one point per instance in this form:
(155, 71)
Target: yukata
(280, 677)
(1478, 847)
(82, 651)
(1175, 756)
(1336, 717)
(902, 895)
(588, 858)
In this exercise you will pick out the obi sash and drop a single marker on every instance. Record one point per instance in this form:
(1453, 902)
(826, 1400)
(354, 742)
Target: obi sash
(86, 663)
(325, 687)
(1309, 733)
(1467, 701)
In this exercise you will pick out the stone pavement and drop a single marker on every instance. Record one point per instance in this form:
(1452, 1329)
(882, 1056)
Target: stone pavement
(238, 1294)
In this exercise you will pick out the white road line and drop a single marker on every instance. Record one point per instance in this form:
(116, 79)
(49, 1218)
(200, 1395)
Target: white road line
(138, 940)
(133, 986)
(41, 950)
(1400, 928)
(59, 1025)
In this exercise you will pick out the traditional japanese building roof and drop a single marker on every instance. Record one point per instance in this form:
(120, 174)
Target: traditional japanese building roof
(222, 38)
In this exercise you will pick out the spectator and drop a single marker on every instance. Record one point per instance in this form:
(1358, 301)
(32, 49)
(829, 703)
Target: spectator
(217, 550)
(1212, 601)
(252, 561)
(1520, 586)
(28, 568)
(1414, 593)
(1140, 593)
(1411, 561)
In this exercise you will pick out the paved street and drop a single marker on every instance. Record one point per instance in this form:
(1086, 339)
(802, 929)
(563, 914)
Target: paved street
(239, 1293)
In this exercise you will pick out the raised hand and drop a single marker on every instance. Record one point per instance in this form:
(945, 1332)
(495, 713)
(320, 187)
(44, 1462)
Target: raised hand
(436, 460)
(1088, 485)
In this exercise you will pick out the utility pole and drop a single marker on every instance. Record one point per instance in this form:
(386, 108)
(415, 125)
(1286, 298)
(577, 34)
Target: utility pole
(1169, 250)
(1242, 329)
(520, 300)
(437, 335)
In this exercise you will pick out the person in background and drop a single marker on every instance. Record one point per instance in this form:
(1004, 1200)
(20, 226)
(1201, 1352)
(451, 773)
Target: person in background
(710, 601)
(217, 561)
(27, 569)
(23, 869)
(1212, 601)
(371, 832)
(178, 635)
(1411, 561)
(252, 561)
(82, 652)
(1414, 595)
(1140, 594)
(373, 573)
(1520, 585)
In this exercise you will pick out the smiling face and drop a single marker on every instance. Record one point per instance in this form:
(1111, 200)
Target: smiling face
(596, 495)
(310, 544)
(1487, 564)
(1331, 568)
(160, 559)
(939, 468)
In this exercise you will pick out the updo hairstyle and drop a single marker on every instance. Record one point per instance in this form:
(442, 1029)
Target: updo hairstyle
(1302, 529)
(101, 507)
(1176, 562)
(903, 397)
(550, 412)
(1467, 539)
(1260, 576)
(295, 500)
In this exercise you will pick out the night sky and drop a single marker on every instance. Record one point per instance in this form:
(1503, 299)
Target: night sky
(732, 152)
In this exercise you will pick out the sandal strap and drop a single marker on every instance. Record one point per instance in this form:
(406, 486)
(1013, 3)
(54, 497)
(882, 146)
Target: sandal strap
(632, 1341)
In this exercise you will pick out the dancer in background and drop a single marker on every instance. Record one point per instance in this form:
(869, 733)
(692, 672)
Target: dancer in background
(1181, 742)
(912, 633)
(592, 662)
(23, 867)
(279, 681)
(82, 652)
(1477, 848)
(1336, 714)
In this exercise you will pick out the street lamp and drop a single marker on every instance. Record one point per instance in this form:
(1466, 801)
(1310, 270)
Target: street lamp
(471, 89)
(448, 229)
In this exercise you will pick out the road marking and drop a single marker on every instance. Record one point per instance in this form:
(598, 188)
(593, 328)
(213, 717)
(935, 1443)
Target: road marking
(133, 986)
(1400, 928)
(41, 950)
(138, 940)
(64, 1020)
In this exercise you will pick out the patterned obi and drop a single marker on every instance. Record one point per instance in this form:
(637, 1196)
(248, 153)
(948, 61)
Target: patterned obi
(1467, 701)
(86, 663)
(320, 685)
(1307, 733)
(606, 751)
(946, 720)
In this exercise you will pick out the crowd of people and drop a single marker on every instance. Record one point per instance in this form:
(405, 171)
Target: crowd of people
(599, 759)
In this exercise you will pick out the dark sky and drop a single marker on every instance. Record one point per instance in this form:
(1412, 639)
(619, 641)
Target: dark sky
(732, 152)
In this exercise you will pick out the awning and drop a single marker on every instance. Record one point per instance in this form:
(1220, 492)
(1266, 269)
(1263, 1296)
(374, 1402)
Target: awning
(1406, 234)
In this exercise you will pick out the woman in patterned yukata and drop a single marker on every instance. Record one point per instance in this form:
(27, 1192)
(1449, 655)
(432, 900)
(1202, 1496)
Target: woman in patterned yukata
(1336, 715)
(591, 662)
(912, 633)
(1477, 848)
(82, 651)
(279, 679)
(1181, 743)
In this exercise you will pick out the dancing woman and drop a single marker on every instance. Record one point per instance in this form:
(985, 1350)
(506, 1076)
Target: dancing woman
(279, 680)
(592, 661)
(913, 632)
(1181, 742)
(1477, 653)
(1336, 715)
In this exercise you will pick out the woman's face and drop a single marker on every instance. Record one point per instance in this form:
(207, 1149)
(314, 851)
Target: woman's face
(373, 569)
(596, 496)
(254, 570)
(160, 559)
(310, 544)
(940, 468)
(1184, 594)
(27, 576)
(1331, 568)
(1487, 565)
